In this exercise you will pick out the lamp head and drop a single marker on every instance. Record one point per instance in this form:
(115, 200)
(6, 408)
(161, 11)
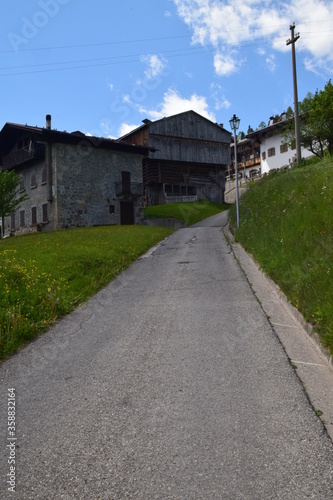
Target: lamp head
(234, 123)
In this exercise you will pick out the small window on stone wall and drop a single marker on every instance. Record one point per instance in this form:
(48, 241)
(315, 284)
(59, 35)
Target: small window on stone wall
(33, 179)
(263, 155)
(45, 213)
(22, 184)
(22, 218)
(44, 174)
(111, 209)
(34, 215)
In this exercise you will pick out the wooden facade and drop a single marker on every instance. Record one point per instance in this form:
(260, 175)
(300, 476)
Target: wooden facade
(248, 157)
(190, 158)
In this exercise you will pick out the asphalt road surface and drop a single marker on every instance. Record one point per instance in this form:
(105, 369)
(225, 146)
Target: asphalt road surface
(168, 384)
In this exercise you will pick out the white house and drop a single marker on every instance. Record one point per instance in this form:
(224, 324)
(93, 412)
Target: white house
(274, 153)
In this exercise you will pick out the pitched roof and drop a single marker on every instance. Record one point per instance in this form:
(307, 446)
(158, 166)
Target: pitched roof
(11, 132)
(147, 123)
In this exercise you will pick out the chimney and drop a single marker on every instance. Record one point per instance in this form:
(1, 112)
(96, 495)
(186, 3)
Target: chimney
(48, 122)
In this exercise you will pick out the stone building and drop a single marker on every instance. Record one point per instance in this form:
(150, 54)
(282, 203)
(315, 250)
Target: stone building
(188, 158)
(71, 180)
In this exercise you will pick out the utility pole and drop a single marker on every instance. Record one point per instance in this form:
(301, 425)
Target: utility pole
(292, 41)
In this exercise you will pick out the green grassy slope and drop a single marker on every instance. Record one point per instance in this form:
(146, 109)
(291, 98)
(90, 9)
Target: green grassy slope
(44, 276)
(190, 212)
(286, 223)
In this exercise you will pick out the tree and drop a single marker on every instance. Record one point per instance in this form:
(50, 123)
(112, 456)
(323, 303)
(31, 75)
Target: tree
(321, 119)
(289, 112)
(9, 199)
(316, 122)
(262, 125)
(249, 130)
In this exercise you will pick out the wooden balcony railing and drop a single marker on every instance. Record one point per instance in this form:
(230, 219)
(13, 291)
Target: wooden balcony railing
(23, 155)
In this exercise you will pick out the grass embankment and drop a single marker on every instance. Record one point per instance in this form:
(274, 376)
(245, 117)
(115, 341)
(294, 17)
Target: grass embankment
(45, 276)
(190, 212)
(286, 223)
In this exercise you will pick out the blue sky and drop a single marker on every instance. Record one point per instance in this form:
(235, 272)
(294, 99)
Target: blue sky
(102, 67)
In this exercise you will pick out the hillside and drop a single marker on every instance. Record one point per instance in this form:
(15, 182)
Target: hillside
(44, 276)
(286, 223)
(190, 212)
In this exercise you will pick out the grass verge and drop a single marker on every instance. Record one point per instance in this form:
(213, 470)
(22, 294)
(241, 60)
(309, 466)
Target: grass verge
(46, 275)
(191, 212)
(286, 223)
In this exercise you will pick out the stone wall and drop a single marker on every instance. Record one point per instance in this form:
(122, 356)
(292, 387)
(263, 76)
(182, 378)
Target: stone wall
(83, 189)
(35, 187)
(85, 185)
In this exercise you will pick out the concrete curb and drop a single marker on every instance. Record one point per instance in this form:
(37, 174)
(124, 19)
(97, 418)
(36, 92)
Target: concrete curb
(297, 316)
(312, 363)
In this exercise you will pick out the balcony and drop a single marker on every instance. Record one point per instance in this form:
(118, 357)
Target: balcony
(129, 189)
(23, 155)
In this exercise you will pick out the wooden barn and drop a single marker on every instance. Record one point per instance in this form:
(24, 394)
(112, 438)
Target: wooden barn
(190, 158)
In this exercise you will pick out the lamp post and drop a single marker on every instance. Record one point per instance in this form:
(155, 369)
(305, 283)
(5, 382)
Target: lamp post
(234, 124)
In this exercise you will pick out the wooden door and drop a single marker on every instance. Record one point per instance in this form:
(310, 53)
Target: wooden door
(126, 212)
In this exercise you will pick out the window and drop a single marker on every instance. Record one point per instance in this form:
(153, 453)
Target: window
(12, 221)
(283, 148)
(22, 184)
(45, 214)
(22, 218)
(263, 155)
(111, 209)
(33, 179)
(126, 182)
(34, 215)
(44, 174)
(271, 152)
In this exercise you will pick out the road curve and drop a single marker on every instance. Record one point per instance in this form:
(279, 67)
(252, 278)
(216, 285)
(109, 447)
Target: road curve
(168, 384)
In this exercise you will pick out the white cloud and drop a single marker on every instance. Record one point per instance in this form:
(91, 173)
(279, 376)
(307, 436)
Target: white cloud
(167, 13)
(226, 64)
(316, 35)
(126, 128)
(271, 64)
(126, 98)
(173, 103)
(229, 23)
(105, 129)
(320, 68)
(221, 102)
(155, 65)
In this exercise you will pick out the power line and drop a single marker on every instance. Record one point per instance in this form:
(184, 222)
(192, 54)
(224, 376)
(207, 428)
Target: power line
(130, 58)
(142, 40)
(113, 60)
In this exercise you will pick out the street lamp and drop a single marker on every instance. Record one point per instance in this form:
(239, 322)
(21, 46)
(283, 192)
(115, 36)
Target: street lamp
(234, 124)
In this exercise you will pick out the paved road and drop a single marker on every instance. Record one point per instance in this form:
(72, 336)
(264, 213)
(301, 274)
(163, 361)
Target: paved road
(169, 384)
